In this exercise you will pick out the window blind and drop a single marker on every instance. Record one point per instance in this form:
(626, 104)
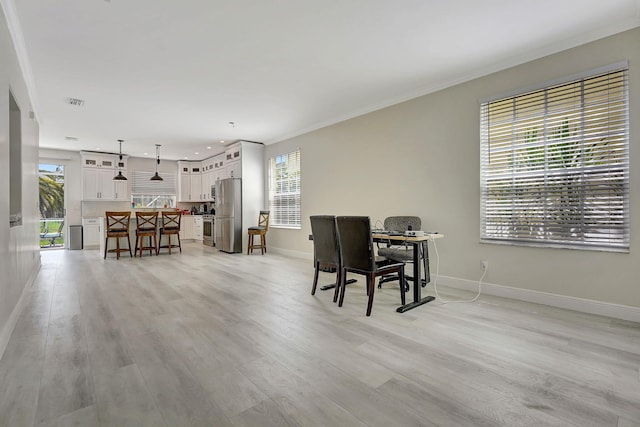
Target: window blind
(141, 184)
(284, 189)
(555, 165)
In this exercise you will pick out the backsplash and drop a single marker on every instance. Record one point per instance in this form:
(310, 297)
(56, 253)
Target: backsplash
(97, 209)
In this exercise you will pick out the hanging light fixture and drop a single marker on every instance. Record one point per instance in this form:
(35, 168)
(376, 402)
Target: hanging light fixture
(157, 177)
(120, 177)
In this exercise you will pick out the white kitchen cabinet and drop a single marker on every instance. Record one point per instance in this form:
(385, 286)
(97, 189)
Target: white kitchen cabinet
(98, 184)
(121, 189)
(190, 182)
(198, 228)
(97, 177)
(191, 227)
(195, 190)
(232, 162)
(90, 233)
(208, 179)
(233, 169)
(187, 226)
(184, 185)
(218, 169)
(98, 160)
(233, 153)
(206, 185)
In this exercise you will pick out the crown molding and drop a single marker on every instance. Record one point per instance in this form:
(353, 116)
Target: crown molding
(632, 22)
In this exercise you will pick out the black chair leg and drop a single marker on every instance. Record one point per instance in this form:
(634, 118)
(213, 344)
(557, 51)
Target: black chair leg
(342, 286)
(315, 279)
(371, 288)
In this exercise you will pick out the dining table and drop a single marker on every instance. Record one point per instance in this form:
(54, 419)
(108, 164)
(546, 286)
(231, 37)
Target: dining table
(418, 243)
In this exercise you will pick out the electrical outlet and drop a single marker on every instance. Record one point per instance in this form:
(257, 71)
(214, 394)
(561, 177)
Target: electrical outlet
(484, 264)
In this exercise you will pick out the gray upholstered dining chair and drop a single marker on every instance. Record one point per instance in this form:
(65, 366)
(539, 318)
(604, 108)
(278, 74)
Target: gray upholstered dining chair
(400, 252)
(326, 251)
(357, 256)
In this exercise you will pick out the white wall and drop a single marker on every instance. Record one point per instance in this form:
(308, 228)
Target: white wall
(19, 246)
(421, 157)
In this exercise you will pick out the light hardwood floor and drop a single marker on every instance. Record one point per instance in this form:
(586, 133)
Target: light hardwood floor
(211, 339)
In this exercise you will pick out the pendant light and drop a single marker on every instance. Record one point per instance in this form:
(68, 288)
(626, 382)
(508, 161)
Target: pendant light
(157, 177)
(120, 177)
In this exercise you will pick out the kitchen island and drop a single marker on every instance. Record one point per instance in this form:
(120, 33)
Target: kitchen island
(190, 229)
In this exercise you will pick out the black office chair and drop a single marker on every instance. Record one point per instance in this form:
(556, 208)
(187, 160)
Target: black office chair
(357, 256)
(402, 252)
(326, 251)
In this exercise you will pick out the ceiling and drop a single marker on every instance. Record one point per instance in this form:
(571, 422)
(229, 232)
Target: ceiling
(188, 74)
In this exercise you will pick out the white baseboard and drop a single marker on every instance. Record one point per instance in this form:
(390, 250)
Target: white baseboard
(7, 330)
(616, 311)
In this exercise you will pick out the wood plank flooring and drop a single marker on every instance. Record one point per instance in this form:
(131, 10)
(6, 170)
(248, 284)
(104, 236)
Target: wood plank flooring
(205, 338)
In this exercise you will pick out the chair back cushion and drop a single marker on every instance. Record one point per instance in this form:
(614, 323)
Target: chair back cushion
(402, 223)
(356, 244)
(325, 239)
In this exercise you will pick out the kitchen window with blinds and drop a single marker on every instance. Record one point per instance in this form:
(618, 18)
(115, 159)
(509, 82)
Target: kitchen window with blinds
(153, 194)
(284, 190)
(555, 164)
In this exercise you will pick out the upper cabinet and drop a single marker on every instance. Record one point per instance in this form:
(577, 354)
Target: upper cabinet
(233, 157)
(219, 167)
(97, 184)
(208, 178)
(233, 152)
(242, 159)
(98, 160)
(97, 177)
(190, 182)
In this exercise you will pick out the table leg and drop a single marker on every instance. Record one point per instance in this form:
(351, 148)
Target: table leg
(417, 287)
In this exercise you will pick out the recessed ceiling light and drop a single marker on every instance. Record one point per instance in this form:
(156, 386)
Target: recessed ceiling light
(186, 157)
(196, 153)
(145, 154)
(221, 141)
(208, 148)
(98, 149)
(70, 138)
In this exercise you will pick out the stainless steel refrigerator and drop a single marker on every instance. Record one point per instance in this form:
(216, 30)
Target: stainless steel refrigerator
(228, 218)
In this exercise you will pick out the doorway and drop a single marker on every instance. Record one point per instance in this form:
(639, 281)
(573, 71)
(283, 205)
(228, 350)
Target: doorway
(52, 206)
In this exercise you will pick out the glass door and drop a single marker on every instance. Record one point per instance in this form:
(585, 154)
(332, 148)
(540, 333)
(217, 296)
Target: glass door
(52, 206)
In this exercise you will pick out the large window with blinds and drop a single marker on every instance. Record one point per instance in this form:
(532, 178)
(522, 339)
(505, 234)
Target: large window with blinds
(146, 193)
(284, 190)
(555, 164)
